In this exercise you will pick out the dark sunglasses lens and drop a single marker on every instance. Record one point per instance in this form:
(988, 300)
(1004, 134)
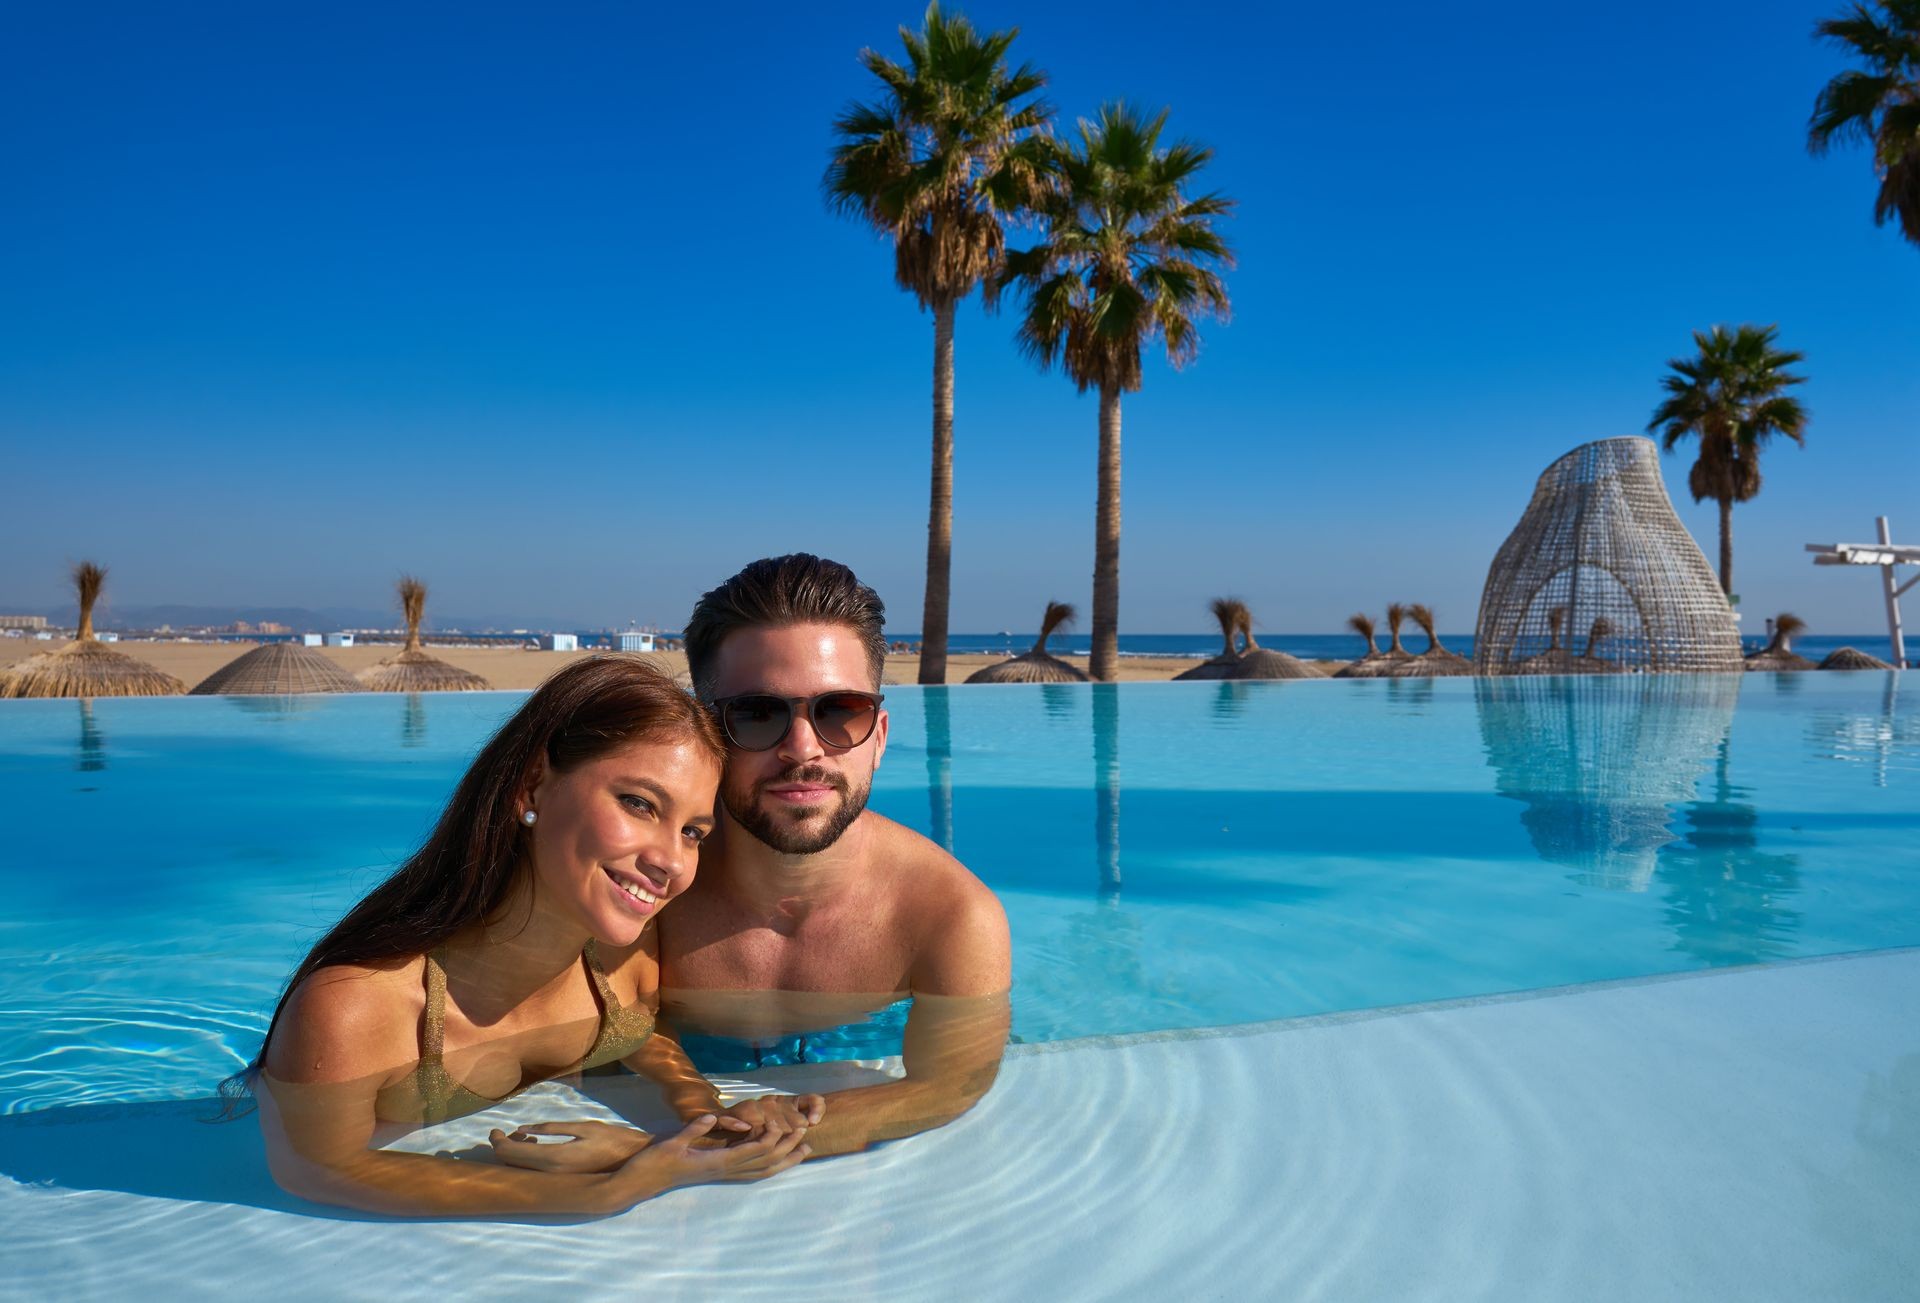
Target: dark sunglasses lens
(757, 723)
(843, 719)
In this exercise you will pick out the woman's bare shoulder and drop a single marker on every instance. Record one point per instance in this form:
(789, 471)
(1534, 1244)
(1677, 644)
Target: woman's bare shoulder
(350, 1021)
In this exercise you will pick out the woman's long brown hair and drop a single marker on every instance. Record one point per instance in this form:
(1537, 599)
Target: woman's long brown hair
(466, 870)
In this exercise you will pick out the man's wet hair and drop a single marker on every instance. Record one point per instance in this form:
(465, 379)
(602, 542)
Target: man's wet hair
(777, 592)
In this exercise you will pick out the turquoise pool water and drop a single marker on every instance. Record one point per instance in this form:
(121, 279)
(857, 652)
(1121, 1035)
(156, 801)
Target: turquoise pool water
(1177, 855)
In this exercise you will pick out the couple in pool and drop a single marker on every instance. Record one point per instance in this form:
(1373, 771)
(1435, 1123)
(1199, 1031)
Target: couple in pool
(555, 909)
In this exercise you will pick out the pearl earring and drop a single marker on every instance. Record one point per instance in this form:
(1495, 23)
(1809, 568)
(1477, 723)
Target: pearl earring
(528, 818)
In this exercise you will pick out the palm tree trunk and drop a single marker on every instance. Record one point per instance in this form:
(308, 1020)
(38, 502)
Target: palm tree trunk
(1726, 547)
(933, 620)
(1106, 544)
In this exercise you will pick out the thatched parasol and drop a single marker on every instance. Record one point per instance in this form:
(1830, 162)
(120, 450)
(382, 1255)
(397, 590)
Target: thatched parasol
(1589, 663)
(1036, 666)
(277, 669)
(411, 669)
(87, 667)
(1396, 616)
(1556, 659)
(1778, 654)
(1258, 662)
(1851, 658)
(1227, 611)
(1436, 661)
(1374, 663)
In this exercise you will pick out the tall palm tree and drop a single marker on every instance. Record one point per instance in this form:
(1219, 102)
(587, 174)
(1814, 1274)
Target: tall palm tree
(1731, 396)
(1879, 106)
(940, 163)
(1129, 256)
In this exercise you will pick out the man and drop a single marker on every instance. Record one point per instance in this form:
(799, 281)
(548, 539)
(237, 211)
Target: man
(810, 909)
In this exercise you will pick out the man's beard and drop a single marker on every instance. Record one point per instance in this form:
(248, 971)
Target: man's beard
(807, 831)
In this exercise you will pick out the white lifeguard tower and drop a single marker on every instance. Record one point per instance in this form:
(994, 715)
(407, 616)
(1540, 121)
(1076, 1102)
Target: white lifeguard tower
(1887, 555)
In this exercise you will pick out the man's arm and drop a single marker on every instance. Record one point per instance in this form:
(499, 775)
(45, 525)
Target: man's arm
(956, 1031)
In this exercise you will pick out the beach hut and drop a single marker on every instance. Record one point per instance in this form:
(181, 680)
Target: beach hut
(1227, 611)
(1851, 658)
(1600, 539)
(1436, 661)
(411, 669)
(277, 669)
(1778, 654)
(1036, 666)
(86, 667)
(1257, 662)
(1374, 663)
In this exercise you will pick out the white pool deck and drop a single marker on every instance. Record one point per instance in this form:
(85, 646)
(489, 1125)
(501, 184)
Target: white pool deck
(1750, 1134)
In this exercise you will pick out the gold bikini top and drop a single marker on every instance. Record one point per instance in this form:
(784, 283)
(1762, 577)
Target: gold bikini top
(430, 1094)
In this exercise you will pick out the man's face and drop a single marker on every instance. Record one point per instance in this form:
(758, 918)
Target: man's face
(802, 794)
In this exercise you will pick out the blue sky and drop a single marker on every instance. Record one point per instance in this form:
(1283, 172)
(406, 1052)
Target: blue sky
(542, 304)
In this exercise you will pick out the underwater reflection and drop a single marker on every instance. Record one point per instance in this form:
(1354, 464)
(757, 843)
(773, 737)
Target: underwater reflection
(1599, 762)
(273, 708)
(940, 765)
(1106, 779)
(413, 721)
(1057, 700)
(1410, 696)
(1883, 739)
(93, 743)
(1230, 698)
(1726, 898)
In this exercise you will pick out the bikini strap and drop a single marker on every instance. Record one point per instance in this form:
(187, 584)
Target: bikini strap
(608, 1000)
(434, 1026)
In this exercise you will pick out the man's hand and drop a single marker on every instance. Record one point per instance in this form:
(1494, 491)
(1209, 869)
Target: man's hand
(774, 1114)
(593, 1146)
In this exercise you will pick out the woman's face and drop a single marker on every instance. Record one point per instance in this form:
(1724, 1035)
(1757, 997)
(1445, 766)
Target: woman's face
(617, 838)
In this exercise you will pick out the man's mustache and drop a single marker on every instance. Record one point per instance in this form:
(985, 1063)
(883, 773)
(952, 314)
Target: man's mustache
(807, 774)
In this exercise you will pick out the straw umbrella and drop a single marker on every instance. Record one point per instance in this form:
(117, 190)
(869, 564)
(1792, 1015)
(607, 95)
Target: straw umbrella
(1227, 611)
(1036, 666)
(87, 667)
(277, 669)
(1436, 661)
(1555, 659)
(1396, 616)
(411, 669)
(1778, 654)
(1374, 663)
(1587, 662)
(1850, 658)
(1258, 662)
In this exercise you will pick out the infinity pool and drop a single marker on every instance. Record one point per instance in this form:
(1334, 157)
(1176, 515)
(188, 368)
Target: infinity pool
(1171, 856)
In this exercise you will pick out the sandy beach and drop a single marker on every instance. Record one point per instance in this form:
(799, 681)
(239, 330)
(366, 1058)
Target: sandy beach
(517, 670)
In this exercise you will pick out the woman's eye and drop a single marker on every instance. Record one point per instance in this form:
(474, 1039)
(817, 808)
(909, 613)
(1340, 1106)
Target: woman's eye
(639, 803)
(694, 835)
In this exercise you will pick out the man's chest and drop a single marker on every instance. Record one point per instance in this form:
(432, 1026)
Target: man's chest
(848, 949)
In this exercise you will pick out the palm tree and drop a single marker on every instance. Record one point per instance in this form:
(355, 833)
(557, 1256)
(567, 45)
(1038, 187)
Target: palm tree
(1879, 107)
(1128, 257)
(1731, 396)
(940, 163)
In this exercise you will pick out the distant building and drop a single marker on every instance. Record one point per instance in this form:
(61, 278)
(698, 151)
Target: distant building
(23, 621)
(269, 626)
(108, 636)
(312, 640)
(560, 641)
(339, 640)
(636, 640)
(44, 636)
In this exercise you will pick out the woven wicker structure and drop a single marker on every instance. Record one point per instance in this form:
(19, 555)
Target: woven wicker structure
(1778, 654)
(1374, 663)
(87, 667)
(411, 669)
(1036, 666)
(1258, 662)
(1601, 763)
(1600, 541)
(1436, 661)
(1851, 658)
(1228, 612)
(277, 669)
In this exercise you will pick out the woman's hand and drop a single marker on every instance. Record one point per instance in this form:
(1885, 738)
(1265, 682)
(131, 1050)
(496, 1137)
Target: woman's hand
(775, 1113)
(681, 1160)
(594, 1146)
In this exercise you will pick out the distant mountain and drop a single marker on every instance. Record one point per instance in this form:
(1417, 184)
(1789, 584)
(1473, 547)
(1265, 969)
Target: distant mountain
(300, 619)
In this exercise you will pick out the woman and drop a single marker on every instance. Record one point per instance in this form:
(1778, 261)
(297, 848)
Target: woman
(513, 948)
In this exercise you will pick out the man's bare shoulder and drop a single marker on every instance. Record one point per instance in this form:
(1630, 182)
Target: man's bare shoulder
(962, 945)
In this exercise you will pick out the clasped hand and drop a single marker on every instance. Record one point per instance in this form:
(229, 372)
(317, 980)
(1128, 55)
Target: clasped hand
(603, 1146)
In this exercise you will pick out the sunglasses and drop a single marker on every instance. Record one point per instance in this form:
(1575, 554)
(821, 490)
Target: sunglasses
(760, 721)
